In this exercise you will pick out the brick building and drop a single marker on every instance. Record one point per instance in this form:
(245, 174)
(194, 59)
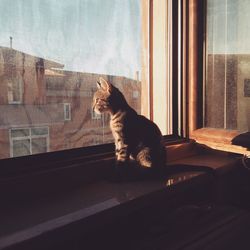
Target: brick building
(45, 108)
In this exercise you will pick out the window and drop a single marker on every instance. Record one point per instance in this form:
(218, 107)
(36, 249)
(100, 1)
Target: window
(67, 111)
(52, 70)
(15, 89)
(26, 141)
(227, 96)
(50, 66)
(216, 78)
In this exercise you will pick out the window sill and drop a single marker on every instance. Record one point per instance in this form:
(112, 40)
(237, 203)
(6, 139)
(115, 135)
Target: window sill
(88, 208)
(53, 216)
(219, 139)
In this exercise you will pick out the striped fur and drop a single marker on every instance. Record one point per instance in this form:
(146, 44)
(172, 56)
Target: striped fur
(135, 136)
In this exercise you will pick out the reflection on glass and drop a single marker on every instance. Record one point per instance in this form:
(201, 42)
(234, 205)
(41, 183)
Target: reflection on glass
(51, 55)
(170, 182)
(227, 87)
(180, 178)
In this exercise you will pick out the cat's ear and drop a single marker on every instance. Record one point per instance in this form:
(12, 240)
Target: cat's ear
(104, 85)
(99, 86)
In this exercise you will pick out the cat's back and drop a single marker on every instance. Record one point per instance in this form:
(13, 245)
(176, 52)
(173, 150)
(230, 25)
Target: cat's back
(142, 128)
(148, 127)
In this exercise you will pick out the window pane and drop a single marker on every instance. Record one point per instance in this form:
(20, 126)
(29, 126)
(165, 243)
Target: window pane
(51, 54)
(227, 95)
(21, 147)
(19, 133)
(39, 131)
(39, 145)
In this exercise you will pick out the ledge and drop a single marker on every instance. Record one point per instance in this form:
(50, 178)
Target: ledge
(219, 139)
(28, 223)
(89, 207)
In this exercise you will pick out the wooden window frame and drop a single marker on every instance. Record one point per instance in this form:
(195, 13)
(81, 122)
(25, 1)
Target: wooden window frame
(195, 71)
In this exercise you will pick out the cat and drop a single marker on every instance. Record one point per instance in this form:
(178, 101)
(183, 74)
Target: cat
(137, 139)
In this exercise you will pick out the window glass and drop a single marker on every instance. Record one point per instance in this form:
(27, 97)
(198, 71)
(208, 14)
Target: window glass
(19, 133)
(227, 85)
(39, 131)
(51, 55)
(21, 147)
(39, 145)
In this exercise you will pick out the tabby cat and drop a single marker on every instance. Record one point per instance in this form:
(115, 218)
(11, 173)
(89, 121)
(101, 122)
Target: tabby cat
(136, 138)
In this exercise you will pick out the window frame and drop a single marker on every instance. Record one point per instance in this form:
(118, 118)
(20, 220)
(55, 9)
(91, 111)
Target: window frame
(39, 163)
(196, 75)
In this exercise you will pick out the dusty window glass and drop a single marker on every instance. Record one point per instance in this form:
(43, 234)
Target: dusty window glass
(51, 55)
(227, 85)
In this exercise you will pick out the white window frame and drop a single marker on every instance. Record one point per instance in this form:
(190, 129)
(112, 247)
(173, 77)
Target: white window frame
(29, 137)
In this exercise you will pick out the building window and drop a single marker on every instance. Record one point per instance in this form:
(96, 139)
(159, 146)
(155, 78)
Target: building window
(27, 141)
(67, 111)
(15, 90)
(227, 101)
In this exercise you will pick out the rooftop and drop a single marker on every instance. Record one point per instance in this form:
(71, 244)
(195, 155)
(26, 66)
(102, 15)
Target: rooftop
(12, 56)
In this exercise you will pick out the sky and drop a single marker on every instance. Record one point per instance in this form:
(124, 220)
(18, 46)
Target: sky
(228, 26)
(95, 36)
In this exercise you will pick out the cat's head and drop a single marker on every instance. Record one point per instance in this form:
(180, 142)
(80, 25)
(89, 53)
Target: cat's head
(107, 98)
(101, 96)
